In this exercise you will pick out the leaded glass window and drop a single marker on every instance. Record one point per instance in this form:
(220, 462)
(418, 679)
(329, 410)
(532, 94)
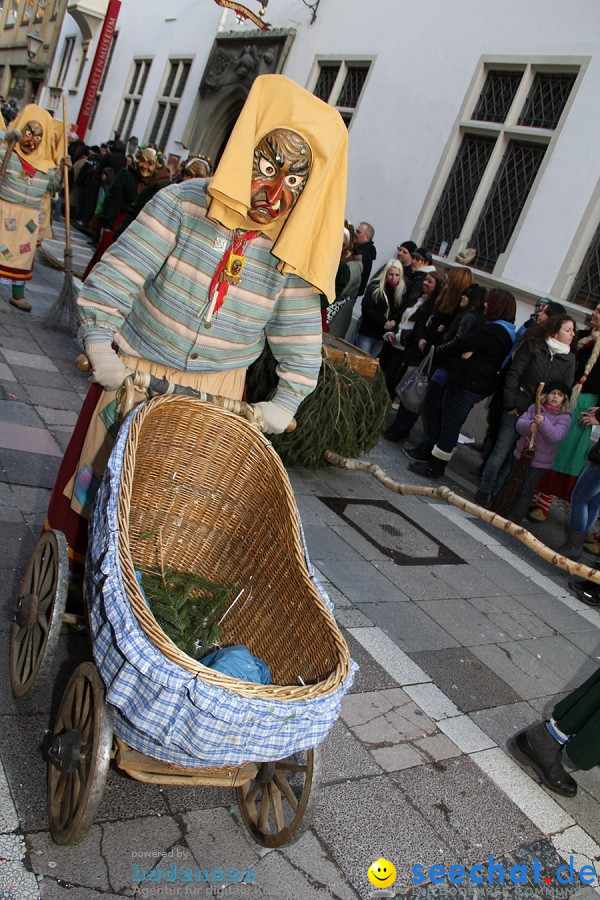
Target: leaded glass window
(497, 96)
(547, 98)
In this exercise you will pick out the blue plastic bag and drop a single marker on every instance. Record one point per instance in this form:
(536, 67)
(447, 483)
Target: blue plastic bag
(238, 662)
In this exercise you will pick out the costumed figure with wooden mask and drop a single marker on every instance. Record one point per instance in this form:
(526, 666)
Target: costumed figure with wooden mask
(210, 271)
(33, 170)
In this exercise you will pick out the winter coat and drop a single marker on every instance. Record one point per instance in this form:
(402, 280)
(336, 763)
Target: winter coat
(465, 322)
(549, 435)
(376, 311)
(534, 362)
(479, 373)
(369, 254)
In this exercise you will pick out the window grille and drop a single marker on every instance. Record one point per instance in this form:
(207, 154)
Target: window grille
(497, 96)
(326, 81)
(460, 189)
(506, 200)
(341, 84)
(131, 101)
(353, 85)
(27, 12)
(168, 103)
(586, 287)
(65, 60)
(547, 98)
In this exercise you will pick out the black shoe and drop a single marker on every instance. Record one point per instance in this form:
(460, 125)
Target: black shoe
(586, 591)
(428, 468)
(418, 454)
(535, 747)
(392, 435)
(482, 498)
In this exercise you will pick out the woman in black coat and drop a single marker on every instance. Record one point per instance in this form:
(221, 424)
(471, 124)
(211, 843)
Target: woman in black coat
(472, 375)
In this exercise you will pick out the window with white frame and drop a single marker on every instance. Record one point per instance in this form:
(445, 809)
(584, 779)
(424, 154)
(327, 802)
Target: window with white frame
(586, 287)
(508, 124)
(65, 60)
(98, 96)
(168, 103)
(131, 100)
(340, 83)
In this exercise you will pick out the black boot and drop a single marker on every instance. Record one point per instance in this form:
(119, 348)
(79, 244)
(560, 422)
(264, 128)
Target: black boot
(393, 433)
(430, 468)
(418, 454)
(573, 546)
(535, 747)
(586, 591)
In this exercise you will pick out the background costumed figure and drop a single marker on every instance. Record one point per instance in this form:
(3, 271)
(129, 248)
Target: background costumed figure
(34, 156)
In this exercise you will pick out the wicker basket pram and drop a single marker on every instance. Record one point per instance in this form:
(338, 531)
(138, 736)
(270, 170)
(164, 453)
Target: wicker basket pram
(199, 489)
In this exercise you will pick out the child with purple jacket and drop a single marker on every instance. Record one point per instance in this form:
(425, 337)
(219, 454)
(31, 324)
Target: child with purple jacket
(550, 428)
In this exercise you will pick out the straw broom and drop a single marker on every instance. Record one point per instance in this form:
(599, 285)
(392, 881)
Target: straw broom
(63, 314)
(444, 493)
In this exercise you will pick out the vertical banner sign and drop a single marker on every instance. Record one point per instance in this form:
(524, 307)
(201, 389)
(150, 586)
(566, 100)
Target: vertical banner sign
(100, 57)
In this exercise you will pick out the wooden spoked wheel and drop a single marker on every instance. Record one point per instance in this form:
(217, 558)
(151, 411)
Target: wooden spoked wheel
(40, 605)
(277, 805)
(79, 756)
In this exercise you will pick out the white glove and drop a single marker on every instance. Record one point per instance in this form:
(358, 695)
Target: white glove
(271, 418)
(107, 367)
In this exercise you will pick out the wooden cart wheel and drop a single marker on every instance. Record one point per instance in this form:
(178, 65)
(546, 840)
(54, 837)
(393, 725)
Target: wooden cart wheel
(38, 616)
(79, 756)
(277, 805)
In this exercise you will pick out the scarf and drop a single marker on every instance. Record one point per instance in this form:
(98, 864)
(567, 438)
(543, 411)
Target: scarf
(555, 346)
(307, 242)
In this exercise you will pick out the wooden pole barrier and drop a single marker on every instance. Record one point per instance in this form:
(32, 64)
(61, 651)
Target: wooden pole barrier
(448, 496)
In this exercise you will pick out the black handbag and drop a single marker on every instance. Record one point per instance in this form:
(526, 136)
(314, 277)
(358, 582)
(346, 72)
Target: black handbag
(594, 454)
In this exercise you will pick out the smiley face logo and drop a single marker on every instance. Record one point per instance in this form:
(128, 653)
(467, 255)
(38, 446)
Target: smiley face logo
(381, 873)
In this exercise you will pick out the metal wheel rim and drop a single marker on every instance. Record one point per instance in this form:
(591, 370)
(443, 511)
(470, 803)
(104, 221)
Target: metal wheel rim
(267, 808)
(74, 797)
(46, 576)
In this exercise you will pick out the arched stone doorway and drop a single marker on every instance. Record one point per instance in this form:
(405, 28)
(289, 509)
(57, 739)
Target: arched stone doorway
(234, 62)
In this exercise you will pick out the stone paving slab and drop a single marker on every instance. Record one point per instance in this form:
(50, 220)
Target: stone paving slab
(370, 676)
(41, 378)
(50, 397)
(465, 679)
(17, 413)
(25, 439)
(449, 797)
(32, 469)
(418, 582)
(389, 827)
(533, 668)
(361, 583)
(411, 628)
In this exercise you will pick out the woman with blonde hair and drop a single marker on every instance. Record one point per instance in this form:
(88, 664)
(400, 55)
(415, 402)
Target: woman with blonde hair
(380, 307)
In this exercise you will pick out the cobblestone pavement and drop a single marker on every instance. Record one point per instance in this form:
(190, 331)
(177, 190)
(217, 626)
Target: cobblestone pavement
(463, 636)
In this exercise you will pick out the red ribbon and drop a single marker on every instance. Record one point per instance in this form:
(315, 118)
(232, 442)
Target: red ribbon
(238, 245)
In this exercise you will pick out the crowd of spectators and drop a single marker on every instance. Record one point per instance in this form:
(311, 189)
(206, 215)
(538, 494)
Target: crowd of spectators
(412, 312)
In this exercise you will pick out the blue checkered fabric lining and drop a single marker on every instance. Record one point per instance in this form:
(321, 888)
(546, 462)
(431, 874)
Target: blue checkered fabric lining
(161, 709)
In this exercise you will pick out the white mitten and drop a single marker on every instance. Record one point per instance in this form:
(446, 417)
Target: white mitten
(271, 418)
(107, 367)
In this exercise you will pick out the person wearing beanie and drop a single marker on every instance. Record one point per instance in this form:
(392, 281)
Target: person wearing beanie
(549, 427)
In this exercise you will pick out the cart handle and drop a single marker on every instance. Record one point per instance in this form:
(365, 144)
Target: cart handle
(153, 386)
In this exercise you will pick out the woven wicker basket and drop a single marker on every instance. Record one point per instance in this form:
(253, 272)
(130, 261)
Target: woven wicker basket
(203, 491)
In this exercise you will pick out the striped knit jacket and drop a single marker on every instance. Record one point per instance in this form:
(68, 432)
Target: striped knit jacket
(149, 294)
(26, 191)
